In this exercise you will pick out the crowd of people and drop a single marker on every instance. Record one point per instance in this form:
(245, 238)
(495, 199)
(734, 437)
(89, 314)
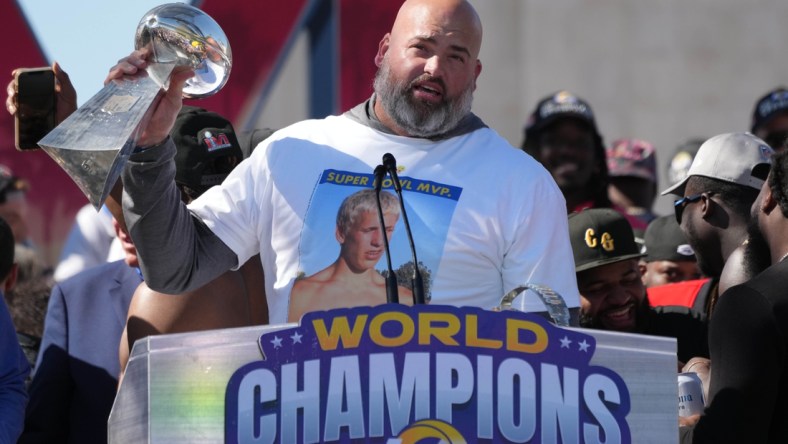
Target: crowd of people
(212, 229)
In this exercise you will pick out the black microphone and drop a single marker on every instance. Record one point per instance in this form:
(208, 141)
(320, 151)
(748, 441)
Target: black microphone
(392, 294)
(417, 281)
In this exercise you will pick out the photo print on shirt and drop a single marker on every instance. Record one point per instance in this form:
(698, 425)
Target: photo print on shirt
(342, 256)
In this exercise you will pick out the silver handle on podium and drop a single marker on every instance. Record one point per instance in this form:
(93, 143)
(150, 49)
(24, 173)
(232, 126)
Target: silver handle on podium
(554, 302)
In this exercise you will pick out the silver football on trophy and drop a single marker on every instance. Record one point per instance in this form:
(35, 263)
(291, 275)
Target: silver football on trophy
(184, 35)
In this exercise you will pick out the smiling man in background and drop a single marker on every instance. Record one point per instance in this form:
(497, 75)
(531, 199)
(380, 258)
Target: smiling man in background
(612, 294)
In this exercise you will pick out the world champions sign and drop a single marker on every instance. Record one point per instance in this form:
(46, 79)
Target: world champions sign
(395, 374)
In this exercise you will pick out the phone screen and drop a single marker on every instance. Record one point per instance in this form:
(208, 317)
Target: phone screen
(35, 98)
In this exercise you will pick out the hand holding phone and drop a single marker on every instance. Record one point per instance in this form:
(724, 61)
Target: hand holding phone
(36, 106)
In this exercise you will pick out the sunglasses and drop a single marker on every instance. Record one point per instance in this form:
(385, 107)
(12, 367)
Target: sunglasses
(680, 204)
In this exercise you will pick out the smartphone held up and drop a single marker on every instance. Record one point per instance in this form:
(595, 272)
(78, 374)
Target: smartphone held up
(35, 104)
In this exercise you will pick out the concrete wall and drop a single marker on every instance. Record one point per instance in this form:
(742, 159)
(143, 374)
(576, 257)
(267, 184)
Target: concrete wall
(663, 70)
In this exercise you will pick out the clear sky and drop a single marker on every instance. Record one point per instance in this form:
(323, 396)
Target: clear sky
(87, 37)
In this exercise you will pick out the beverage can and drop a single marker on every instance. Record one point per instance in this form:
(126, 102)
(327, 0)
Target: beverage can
(691, 400)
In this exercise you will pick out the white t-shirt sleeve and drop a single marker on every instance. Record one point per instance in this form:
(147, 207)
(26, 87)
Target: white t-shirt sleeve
(232, 210)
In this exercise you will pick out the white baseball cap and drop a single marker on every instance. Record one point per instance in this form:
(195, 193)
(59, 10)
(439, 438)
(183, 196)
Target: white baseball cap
(731, 157)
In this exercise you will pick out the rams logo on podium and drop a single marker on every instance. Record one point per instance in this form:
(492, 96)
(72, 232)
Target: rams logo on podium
(429, 429)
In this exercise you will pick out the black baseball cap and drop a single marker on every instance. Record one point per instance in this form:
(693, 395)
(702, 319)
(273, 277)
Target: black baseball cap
(768, 106)
(601, 236)
(664, 241)
(207, 148)
(560, 105)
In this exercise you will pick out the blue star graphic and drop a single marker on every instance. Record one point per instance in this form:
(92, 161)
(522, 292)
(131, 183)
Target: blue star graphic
(565, 341)
(277, 341)
(296, 337)
(584, 346)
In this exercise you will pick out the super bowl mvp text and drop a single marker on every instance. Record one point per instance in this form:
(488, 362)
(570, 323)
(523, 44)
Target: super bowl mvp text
(394, 374)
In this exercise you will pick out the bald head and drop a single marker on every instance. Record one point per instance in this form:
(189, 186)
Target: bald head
(447, 17)
(428, 65)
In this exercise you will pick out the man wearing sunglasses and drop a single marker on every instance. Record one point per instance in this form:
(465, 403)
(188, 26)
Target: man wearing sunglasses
(747, 337)
(714, 206)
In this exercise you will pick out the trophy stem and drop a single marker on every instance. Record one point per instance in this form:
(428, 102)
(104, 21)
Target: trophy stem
(94, 143)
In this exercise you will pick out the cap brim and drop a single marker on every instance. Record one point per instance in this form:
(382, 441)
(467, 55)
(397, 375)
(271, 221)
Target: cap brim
(677, 189)
(610, 260)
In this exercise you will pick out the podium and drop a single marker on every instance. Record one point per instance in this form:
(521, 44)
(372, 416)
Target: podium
(474, 374)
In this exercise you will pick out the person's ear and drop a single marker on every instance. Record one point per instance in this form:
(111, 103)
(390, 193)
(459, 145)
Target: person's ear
(768, 202)
(642, 268)
(10, 281)
(707, 206)
(383, 48)
(340, 237)
(476, 72)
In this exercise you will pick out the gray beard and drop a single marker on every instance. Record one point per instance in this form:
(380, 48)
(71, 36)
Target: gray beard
(419, 119)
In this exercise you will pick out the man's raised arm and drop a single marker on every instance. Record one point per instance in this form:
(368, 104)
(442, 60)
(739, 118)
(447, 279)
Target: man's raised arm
(177, 251)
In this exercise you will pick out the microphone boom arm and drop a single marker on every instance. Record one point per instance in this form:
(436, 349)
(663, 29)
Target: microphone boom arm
(392, 294)
(416, 279)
